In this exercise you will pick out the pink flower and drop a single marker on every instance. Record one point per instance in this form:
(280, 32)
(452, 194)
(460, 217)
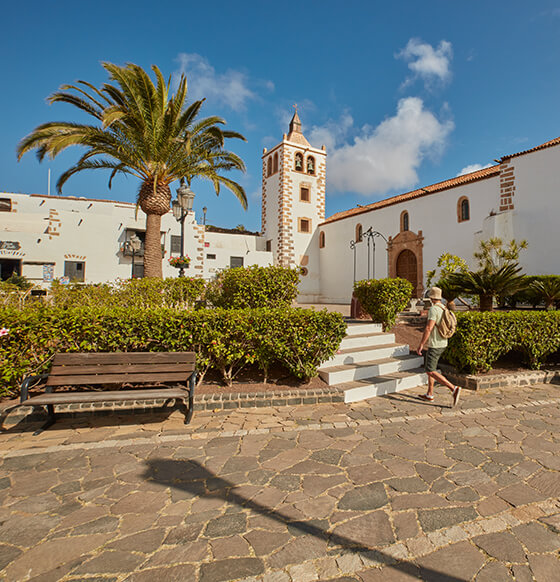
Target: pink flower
(4, 331)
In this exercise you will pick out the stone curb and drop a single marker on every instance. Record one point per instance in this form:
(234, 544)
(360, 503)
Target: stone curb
(161, 439)
(485, 381)
(225, 401)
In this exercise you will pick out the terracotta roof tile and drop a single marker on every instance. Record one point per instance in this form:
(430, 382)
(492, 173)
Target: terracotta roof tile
(543, 146)
(446, 184)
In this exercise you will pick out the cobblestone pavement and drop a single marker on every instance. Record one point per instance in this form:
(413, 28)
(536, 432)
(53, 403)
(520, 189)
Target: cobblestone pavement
(394, 489)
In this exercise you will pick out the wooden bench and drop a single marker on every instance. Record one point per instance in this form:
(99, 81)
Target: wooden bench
(147, 373)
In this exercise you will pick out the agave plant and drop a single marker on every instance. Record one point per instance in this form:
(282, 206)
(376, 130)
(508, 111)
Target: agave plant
(488, 284)
(140, 128)
(548, 290)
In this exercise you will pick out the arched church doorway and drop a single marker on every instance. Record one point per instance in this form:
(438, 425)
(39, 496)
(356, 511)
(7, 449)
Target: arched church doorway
(407, 268)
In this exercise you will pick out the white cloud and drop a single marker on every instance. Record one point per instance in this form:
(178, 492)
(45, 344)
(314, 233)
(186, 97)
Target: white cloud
(473, 168)
(427, 63)
(229, 88)
(383, 158)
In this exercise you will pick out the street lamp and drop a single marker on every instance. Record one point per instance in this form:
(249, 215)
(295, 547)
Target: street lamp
(181, 206)
(135, 244)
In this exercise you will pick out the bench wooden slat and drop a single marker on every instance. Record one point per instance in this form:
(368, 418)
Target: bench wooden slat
(105, 396)
(72, 358)
(101, 378)
(154, 368)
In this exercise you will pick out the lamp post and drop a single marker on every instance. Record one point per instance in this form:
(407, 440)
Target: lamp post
(371, 235)
(135, 245)
(181, 206)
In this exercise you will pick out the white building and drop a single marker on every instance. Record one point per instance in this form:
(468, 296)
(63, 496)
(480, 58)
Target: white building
(43, 237)
(405, 235)
(46, 237)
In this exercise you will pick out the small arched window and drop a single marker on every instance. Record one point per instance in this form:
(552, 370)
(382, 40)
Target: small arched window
(359, 233)
(463, 209)
(404, 221)
(298, 165)
(321, 240)
(311, 165)
(269, 167)
(275, 164)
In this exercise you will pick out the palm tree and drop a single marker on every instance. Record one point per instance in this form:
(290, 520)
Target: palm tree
(548, 290)
(487, 284)
(143, 130)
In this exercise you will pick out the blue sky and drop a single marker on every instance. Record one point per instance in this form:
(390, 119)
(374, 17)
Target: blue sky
(404, 94)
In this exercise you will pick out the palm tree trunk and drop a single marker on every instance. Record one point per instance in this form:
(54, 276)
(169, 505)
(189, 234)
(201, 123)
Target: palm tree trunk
(486, 302)
(152, 247)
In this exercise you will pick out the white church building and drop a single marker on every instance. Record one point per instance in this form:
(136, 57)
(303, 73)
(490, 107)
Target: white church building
(45, 237)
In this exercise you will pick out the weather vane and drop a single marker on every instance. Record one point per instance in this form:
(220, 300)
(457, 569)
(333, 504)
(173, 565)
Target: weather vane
(295, 106)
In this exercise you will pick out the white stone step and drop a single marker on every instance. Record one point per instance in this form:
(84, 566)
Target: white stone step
(360, 328)
(366, 339)
(368, 369)
(386, 384)
(366, 354)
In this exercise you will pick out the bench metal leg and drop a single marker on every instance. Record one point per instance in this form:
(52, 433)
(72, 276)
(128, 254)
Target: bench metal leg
(51, 419)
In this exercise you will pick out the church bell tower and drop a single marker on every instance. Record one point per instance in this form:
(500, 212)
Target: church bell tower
(293, 202)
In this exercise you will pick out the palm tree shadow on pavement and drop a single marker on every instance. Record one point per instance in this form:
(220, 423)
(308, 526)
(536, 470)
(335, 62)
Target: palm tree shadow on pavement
(194, 478)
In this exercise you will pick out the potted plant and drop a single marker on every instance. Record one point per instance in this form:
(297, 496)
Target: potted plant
(181, 262)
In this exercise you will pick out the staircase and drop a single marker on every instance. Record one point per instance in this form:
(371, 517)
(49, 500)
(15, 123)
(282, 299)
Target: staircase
(369, 363)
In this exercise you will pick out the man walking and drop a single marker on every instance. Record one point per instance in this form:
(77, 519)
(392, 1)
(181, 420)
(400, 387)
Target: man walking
(435, 345)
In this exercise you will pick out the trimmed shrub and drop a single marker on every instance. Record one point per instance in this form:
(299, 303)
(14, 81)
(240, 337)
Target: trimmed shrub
(180, 292)
(383, 299)
(481, 338)
(225, 340)
(253, 287)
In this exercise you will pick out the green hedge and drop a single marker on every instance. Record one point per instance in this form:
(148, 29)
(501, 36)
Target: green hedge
(383, 299)
(481, 338)
(253, 287)
(179, 292)
(225, 340)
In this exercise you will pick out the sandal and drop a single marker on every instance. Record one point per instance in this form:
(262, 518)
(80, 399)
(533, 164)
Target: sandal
(456, 394)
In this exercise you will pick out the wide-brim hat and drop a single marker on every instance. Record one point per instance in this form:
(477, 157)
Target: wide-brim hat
(435, 293)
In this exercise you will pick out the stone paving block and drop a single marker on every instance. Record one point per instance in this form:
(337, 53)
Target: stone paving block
(494, 572)
(433, 519)
(553, 522)
(26, 530)
(175, 573)
(296, 551)
(502, 546)
(52, 553)
(368, 531)
(545, 568)
(547, 482)
(460, 561)
(536, 537)
(405, 525)
(111, 562)
(491, 506)
(397, 573)
(418, 501)
(265, 542)
(520, 494)
(364, 498)
(8, 554)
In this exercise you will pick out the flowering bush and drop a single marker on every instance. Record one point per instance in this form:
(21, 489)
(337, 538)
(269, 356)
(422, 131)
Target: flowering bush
(182, 261)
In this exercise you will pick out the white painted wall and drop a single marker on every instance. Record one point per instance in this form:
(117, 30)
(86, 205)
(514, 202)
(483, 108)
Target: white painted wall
(52, 229)
(536, 214)
(434, 214)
